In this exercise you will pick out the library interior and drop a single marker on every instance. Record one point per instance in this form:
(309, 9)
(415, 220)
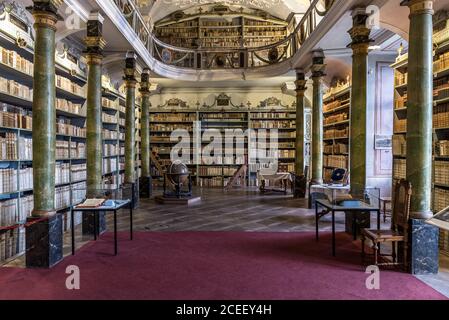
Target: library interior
(224, 150)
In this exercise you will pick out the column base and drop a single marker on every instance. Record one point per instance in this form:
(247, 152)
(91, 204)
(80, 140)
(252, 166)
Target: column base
(300, 187)
(424, 251)
(131, 192)
(44, 242)
(88, 223)
(145, 187)
(424, 215)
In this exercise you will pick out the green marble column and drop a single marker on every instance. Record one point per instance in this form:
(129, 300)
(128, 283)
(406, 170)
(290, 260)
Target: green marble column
(145, 124)
(94, 56)
(44, 241)
(130, 119)
(317, 117)
(360, 43)
(44, 110)
(419, 107)
(300, 91)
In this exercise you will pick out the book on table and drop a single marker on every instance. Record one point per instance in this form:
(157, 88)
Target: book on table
(91, 203)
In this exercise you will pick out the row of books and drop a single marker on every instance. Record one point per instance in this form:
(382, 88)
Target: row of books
(79, 172)
(15, 211)
(15, 89)
(113, 104)
(62, 173)
(12, 243)
(212, 182)
(441, 172)
(441, 116)
(400, 78)
(332, 105)
(337, 148)
(399, 169)
(176, 117)
(110, 149)
(400, 125)
(442, 148)
(8, 146)
(336, 161)
(210, 171)
(336, 118)
(70, 86)
(170, 127)
(63, 126)
(399, 145)
(273, 124)
(14, 60)
(400, 101)
(224, 116)
(441, 88)
(109, 118)
(273, 115)
(336, 133)
(68, 106)
(15, 118)
(110, 134)
(8, 180)
(109, 165)
(441, 63)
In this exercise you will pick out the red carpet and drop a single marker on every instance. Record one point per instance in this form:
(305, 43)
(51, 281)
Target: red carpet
(208, 265)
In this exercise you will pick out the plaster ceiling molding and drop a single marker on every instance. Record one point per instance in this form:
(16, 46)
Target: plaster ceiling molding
(278, 8)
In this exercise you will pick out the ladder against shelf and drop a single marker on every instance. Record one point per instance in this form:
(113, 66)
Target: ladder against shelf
(336, 124)
(440, 191)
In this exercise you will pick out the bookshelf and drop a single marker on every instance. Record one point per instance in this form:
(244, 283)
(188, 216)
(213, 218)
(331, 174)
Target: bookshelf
(218, 173)
(336, 126)
(440, 190)
(285, 122)
(221, 27)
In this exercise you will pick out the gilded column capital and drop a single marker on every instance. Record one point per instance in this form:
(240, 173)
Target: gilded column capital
(130, 70)
(145, 82)
(360, 33)
(300, 82)
(301, 86)
(418, 7)
(45, 13)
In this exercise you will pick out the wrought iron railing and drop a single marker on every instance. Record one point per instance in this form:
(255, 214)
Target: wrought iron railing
(217, 58)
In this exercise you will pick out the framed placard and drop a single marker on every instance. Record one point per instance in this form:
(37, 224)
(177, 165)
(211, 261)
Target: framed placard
(383, 142)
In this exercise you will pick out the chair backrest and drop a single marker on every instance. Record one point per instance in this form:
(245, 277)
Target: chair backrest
(401, 204)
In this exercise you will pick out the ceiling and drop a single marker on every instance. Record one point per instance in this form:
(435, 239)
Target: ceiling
(156, 10)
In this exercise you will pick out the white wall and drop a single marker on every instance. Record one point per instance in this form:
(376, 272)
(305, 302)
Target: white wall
(379, 121)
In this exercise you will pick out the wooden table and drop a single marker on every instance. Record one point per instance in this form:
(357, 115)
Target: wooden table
(108, 206)
(345, 206)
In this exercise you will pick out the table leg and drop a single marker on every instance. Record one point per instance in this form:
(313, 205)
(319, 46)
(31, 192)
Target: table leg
(95, 226)
(316, 222)
(115, 232)
(333, 233)
(378, 219)
(354, 225)
(131, 222)
(72, 219)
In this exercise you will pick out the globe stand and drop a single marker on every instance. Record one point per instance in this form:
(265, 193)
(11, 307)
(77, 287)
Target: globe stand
(177, 195)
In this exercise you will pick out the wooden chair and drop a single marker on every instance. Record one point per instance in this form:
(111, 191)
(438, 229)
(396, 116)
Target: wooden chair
(398, 232)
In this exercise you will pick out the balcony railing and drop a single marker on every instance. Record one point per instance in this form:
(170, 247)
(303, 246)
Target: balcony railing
(224, 58)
